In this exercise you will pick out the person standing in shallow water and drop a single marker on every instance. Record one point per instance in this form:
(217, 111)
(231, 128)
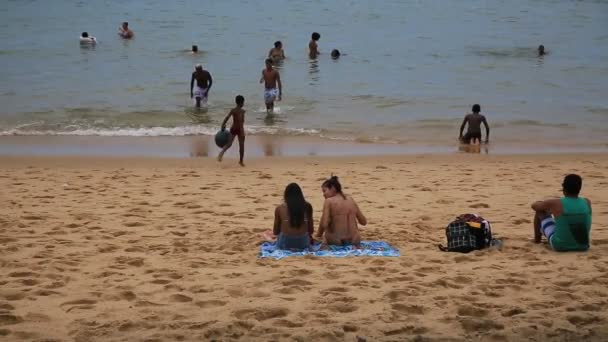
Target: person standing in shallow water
(313, 48)
(474, 120)
(271, 78)
(340, 216)
(200, 91)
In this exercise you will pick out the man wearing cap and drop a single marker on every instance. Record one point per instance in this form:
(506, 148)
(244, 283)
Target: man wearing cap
(200, 91)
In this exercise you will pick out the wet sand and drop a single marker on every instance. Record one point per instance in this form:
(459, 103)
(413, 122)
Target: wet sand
(144, 249)
(257, 146)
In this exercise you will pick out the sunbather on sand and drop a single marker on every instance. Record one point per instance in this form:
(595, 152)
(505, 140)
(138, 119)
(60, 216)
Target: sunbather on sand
(340, 216)
(293, 223)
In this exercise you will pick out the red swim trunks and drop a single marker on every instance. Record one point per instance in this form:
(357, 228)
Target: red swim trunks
(235, 131)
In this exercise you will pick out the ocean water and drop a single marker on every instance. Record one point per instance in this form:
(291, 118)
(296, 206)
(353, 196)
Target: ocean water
(410, 69)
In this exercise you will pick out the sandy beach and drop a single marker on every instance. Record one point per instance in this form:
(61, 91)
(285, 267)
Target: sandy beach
(133, 249)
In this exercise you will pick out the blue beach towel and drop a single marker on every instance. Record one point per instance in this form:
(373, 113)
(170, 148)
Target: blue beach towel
(368, 248)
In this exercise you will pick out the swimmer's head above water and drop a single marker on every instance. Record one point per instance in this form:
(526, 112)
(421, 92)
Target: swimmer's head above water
(278, 44)
(194, 49)
(315, 36)
(335, 53)
(85, 35)
(541, 50)
(198, 67)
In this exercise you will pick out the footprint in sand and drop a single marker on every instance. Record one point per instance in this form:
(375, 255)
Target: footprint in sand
(288, 324)
(477, 325)
(343, 307)
(334, 289)
(12, 294)
(180, 298)
(297, 282)
(205, 304)
(137, 262)
(513, 312)
(407, 330)
(472, 311)
(80, 304)
(8, 319)
(261, 314)
(479, 205)
(22, 274)
(521, 221)
(410, 309)
(583, 319)
(127, 295)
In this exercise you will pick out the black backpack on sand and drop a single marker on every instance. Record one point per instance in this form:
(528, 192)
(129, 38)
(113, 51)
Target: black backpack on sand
(467, 233)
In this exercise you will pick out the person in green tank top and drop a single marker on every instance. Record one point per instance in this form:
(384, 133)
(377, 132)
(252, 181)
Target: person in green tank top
(566, 221)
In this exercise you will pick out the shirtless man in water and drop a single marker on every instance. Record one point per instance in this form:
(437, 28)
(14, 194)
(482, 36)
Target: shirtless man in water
(340, 216)
(203, 85)
(313, 48)
(276, 53)
(474, 130)
(124, 31)
(271, 78)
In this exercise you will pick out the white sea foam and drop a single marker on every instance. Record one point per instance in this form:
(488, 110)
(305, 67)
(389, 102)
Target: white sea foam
(161, 131)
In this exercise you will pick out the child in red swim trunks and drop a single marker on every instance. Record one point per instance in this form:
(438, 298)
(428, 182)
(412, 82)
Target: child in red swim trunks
(237, 129)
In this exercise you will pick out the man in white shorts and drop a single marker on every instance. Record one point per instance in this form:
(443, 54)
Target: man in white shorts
(200, 91)
(271, 79)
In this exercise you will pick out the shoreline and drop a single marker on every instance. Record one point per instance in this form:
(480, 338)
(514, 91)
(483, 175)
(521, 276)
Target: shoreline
(256, 146)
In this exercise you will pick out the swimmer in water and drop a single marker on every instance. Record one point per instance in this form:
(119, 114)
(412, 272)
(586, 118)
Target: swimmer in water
(194, 49)
(313, 48)
(125, 32)
(474, 130)
(335, 54)
(276, 53)
(541, 51)
(86, 39)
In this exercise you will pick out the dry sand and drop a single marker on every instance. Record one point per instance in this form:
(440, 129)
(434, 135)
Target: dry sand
(96, 249)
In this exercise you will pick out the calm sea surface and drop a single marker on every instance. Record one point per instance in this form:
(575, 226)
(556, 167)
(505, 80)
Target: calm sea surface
(410, 70)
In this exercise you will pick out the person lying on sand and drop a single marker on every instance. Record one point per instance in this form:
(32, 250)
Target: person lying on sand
(566, 221)
(293, 223)
(340, 216)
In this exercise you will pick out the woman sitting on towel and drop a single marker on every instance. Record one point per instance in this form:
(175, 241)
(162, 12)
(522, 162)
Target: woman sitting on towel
(340, 216)
(293, 220)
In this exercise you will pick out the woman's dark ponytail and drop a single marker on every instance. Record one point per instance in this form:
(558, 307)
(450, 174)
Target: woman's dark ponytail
(333, 182)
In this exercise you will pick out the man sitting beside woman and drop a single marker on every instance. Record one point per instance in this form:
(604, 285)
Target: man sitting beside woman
(293, 220)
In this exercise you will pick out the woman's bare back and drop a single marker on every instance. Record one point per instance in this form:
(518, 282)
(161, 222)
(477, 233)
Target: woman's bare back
(340, 217)
(282, 224)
